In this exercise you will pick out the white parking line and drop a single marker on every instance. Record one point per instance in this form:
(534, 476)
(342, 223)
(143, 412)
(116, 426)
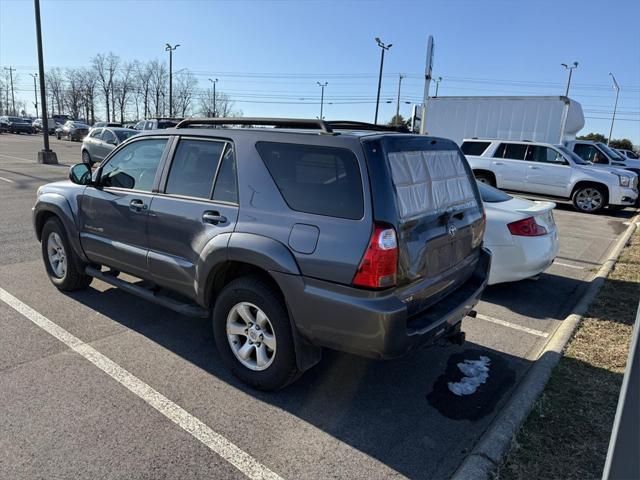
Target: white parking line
(216, 442)
(15, 158)
(497, 321)
(568, 265)
(7, 180)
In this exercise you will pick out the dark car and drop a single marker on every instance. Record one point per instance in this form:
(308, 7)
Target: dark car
(312, 234)
(15, 125)
(72, 130)
(106, 124)
(101, 141)
(157, 123)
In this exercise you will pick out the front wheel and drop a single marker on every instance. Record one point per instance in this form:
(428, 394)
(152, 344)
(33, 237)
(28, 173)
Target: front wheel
(60, 260)
(253, 334)
(589, 199)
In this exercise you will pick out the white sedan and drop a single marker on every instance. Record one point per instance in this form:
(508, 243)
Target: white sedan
(521, 235)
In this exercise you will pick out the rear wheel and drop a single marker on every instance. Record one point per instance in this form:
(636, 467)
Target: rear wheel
(253, 334)
(487, 178)
(589, 199)
(60, 260)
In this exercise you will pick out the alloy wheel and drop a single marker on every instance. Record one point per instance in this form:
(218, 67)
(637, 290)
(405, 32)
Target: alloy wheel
(251, 336)
(57, 255)
(589, 199)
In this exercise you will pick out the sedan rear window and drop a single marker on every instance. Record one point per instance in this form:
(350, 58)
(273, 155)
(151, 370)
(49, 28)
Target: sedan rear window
(316, 179)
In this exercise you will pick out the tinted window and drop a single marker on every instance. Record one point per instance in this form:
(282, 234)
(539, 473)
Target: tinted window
(492, 195)
(537, 153)
(474, 148)
(134, 166)
(585, 151)
(124, 134)
(194, 168)
(226, 188)
(108, 137)
(314, 179)
(513, 151)
(166, 124)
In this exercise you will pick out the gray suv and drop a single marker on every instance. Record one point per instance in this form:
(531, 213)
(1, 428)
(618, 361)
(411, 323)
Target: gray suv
(310, 234)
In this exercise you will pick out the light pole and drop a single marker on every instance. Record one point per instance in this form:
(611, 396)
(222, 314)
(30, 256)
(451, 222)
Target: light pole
(170, 49)
(214, 95)
(322, 85)
(383, 48)
(615, 106)
(35, 92)
(571, 69)
(46, 155)
(13, 100)
(400, 77)
(438, 80)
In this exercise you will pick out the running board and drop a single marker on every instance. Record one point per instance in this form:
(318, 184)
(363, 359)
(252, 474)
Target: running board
(183, 308)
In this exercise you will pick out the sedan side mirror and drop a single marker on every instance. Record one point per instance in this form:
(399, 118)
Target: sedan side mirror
(80, 174)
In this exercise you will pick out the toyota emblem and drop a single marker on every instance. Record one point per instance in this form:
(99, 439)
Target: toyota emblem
(452, 230)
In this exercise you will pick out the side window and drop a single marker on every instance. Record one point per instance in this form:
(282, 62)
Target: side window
(315, 179)
(149, 125)
(514, 151)
(95, 133)
(537, 153)
(193, 168)
(585, 151)
(226, 189)
(108, 137)
(139, 126)
(474, 148)
(134, 166)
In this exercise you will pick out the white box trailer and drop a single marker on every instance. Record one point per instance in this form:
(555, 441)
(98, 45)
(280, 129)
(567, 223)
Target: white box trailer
(540, 119)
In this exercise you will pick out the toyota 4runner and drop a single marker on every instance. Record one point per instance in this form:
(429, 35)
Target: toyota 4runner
(309, 234)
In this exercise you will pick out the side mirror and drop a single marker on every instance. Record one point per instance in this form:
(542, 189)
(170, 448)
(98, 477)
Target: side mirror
(80, 174)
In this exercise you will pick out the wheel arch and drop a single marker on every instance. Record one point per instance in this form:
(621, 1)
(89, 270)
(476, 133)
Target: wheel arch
(52, 205)
(590, 183)
(486, 172)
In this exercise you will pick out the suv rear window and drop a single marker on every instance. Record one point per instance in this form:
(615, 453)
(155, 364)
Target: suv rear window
(316, 179)
(474, 148)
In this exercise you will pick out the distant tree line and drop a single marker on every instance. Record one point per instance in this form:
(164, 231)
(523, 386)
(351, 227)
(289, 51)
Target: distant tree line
(621, 143)
(113, 90)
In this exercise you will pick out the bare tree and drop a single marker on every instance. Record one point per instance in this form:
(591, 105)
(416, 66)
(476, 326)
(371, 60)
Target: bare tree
(223, 104)
(123, 88)
(105, 67)
(159, 77)
(183, 91)
(74, 91)
(144, 72)
(55, 81)
(89, 84)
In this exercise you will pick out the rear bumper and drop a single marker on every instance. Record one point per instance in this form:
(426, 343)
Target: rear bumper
(376, 324)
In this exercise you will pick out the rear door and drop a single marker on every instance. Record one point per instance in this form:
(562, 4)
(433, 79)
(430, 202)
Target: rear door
(113, 216)
(198, 201)
(546, 171)
(107, 143)
(508, 166)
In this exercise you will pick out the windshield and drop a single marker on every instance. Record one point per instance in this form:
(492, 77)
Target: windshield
(610, 152)
(573, 156)
(124, 134)
(492, 195)
(80, 124)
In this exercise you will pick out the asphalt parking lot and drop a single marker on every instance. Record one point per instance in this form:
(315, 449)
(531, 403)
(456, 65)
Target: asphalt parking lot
(63, 417)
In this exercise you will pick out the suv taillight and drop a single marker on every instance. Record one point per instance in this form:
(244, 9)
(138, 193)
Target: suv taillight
(379, 265)
(526, 227)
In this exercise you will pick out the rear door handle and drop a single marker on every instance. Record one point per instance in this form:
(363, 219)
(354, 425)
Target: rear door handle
(137, 205)
(213, 217)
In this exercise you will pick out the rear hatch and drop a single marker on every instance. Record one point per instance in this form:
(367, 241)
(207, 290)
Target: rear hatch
(424, 187)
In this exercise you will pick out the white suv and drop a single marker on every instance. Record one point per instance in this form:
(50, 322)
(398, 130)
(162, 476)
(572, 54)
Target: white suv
(551, 170)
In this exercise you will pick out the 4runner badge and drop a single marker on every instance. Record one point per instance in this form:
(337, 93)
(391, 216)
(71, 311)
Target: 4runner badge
(452, 230)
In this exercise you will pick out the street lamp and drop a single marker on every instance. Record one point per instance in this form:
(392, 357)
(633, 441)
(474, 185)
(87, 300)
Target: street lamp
(170, 49)
(322, 85)
(383, 48)
(214, 95)
(615, 107)
(571, 69)
(438, 80)
(35, 92)
(46, 155)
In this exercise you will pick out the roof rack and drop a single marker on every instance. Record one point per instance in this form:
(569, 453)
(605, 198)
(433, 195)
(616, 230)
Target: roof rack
(321, 125)
(350, 124)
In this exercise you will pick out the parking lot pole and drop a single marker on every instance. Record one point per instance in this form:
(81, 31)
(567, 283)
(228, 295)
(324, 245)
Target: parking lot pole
(615, 106)
(35, 92)
(46, 155)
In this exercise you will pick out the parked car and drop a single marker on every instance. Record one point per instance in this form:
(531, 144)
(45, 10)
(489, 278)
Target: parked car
(72, 130)
(157, 123)
(101, 141)
(600, 154)
(106, 124)
(520, 234)
(550, 170)
(630, 154)
(15, 125)
(313, 234)
(51, 125)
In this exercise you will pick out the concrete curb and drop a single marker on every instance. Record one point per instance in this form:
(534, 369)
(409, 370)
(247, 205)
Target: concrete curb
(487, 455)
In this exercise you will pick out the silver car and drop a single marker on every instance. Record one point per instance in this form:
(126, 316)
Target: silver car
(100, 141)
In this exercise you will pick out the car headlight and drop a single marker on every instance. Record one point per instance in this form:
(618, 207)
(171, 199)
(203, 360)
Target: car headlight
(624, 181)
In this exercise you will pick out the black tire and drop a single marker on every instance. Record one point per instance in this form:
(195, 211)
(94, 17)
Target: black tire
(616, 208)
(487, 178)
(86, 158)
(283, 369)
(58, 136)
(74, 277)
(589, 198)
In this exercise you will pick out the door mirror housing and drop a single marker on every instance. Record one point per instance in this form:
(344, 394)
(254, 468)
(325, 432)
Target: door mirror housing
(80, 174)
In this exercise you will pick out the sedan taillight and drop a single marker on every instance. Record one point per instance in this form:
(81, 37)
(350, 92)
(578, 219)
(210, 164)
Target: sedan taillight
(527, 227)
